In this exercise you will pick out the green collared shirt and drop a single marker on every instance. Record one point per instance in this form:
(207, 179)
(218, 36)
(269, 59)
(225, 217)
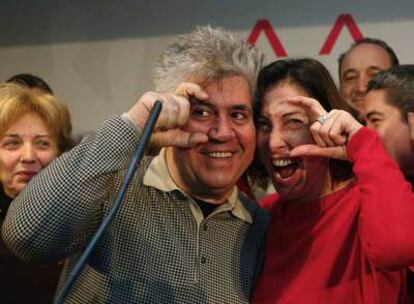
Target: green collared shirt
(158, 176)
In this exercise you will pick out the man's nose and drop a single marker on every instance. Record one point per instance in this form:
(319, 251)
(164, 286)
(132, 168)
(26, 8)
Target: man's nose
(363, 84)
(222, 129)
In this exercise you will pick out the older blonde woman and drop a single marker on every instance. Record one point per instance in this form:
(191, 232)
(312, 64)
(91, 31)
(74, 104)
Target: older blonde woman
(34, 129)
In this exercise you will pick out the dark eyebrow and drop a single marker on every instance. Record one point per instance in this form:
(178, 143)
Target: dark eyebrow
(195, 101)
(242, 107)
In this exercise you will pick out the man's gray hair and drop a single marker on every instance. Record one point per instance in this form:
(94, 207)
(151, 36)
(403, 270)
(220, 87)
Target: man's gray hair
(204, 56)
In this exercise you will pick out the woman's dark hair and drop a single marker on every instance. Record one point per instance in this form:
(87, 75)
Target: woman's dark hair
(311, 76)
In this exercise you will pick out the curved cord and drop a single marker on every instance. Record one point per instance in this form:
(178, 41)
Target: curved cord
(139, 151)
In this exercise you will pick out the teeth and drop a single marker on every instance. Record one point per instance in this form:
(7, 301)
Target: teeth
(220, 154)
(282, 162)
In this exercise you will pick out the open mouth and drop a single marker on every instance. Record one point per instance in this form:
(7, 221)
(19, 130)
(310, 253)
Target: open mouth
(285, 167)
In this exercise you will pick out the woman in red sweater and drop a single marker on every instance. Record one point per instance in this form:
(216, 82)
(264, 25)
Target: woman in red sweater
(343, 220)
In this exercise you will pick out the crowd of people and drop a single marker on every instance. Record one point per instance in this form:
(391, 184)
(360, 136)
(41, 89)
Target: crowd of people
(338, 229)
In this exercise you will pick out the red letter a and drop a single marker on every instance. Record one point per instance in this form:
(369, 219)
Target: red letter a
(264, 25)
(343, 20)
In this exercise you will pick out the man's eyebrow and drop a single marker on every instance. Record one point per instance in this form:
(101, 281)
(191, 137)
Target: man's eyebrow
(242, 107)
(349, 71)
(369, 68)
(372, 113)
(195, 102)
(375, 68)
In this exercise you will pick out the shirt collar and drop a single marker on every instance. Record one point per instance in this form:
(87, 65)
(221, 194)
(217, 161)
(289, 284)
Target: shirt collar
(158, 176)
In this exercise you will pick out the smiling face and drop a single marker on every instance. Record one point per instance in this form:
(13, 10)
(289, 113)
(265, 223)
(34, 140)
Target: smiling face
(360, 64)
(283, 126)
(210, 170)
(386, 120)
(25, 148)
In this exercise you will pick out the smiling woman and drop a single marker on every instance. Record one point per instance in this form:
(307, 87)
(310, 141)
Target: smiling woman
(333, 238)
(34, 129)
(26, 147)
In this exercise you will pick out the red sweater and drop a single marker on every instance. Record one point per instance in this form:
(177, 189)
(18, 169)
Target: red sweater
(349, 247)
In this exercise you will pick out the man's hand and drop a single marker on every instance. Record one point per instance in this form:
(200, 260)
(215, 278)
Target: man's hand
(174, 114)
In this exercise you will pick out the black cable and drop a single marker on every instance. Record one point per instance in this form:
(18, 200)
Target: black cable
(139, 151)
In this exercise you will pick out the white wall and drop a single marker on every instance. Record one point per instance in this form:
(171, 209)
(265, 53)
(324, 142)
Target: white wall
(97, 55)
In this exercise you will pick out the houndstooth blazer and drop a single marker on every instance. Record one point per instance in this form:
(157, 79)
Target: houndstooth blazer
(154, 251)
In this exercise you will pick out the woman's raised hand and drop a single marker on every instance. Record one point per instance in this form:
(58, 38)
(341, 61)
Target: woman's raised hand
(330, 131)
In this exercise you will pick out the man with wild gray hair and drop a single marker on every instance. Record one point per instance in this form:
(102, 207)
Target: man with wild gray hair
(184, 234)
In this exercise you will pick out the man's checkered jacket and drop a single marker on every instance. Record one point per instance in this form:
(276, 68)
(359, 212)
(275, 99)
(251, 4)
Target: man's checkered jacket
(154, 251)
